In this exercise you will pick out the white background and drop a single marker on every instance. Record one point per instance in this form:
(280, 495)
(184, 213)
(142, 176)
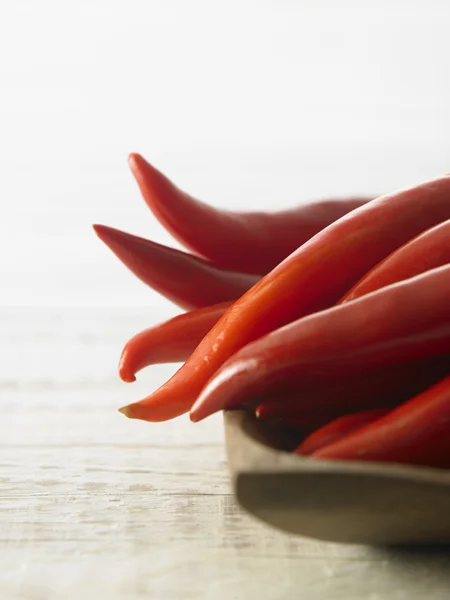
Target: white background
(245, 104)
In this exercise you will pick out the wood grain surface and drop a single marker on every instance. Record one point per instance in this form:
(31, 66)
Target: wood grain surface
(95, 506)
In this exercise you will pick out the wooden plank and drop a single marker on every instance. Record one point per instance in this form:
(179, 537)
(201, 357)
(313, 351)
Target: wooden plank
(93, 505)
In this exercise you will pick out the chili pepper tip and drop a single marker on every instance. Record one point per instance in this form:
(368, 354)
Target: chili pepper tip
(104, 232)
(126, 410)
(134, 158)
(196, 416)
(99, 229)
(126, 374)
(127, 378)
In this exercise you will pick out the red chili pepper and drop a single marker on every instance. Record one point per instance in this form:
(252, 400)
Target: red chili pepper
(252, 242)
(188, 281)
(427, 251)
(171, 341)
(409, 320)
(312, 278)
(417, 432)
(339, 428)
(384, 386)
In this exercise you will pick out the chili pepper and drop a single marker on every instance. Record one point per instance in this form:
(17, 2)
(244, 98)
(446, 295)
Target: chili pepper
(417, 432)
(409, 320)
(188, 281)
(428, 250)
(311, 279)
(338, 428)
(253, 242)
(171, 341)
(384, 386)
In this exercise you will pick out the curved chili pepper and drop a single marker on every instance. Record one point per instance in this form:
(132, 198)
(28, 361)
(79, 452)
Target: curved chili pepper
(188, 281)
(409, 320)
(171, 341)
(311, 279)
(417, 432)
(252, 242)
(380, 387)
(427, 251)
(339, 428)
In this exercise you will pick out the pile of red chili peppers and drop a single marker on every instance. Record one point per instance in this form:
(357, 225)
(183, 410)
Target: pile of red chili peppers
(332, 318)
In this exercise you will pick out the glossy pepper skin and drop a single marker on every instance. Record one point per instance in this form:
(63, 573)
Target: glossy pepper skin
(409, 320)
(339, 428)
(313, 278)
(384, 386)
(417, 432)
(188, 281)
(427, 251)
(252, 242)
(171, 341)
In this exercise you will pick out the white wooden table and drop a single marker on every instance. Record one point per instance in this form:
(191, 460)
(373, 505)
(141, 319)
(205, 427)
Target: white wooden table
(94, 506)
